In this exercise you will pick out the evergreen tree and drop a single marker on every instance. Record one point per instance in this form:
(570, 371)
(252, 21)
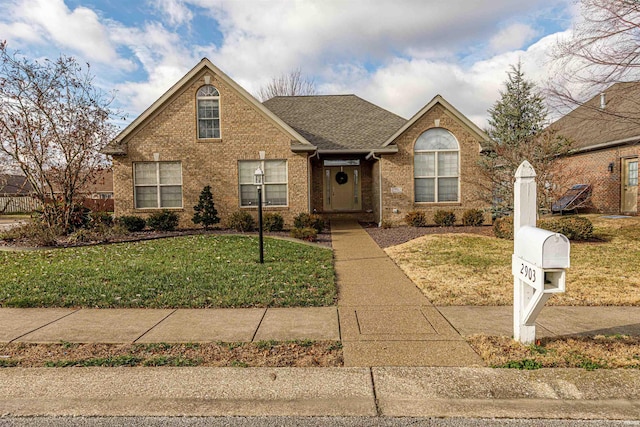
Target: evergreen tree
(205, 211)
(517, 133)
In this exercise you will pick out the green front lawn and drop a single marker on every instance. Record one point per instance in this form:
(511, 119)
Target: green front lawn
(193, 271)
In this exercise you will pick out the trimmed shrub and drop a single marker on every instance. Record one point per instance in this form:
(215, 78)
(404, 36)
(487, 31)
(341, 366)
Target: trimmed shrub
(205, 211)
(574, 227)
(416, 219)
(36, 233)
(241, 221)
(473, 217)
(272, 222)
(444, 218)
(54, 214)
(307, 233)
(503, 227)
(131, 223)
(99, 219)
(164, 220)
(306, 220)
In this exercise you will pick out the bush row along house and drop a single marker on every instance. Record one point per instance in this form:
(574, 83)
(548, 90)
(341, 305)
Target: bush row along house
(334, 155)
(605, 132)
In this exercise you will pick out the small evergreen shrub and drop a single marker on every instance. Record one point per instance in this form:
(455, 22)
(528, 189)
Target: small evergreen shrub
(205, 211)
(307, 233)
(473, 217)
(306, 220)
(272, 222)
(503, 227)
(444, 218)
(99, 219)
(164, 220)
(241, 221)
(574, 227)
(416, 219)
(131, 223)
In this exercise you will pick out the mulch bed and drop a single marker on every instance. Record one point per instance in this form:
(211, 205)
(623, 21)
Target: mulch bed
(386, 237)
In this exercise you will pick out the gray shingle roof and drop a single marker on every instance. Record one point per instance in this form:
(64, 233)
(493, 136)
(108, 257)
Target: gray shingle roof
(588, 125)
(336, 122)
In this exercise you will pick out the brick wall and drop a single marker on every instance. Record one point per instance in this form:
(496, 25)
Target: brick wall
(171, 133)
(397, 171)
(593, 168)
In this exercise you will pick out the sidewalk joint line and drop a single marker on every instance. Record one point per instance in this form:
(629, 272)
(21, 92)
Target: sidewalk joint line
(45, 325)
(375, 395)
(151, 328)
(259, 324)
(339, 324)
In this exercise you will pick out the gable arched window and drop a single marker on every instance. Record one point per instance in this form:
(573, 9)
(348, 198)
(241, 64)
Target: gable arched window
(436, 166)
(208, 100)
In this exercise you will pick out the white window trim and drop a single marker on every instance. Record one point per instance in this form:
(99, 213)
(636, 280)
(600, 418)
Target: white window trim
(436, 177)
(198, 99)
(264, 184)
(158, 186)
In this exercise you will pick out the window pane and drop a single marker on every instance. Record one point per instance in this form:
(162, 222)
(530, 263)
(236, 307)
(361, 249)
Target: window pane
(248, 195)
(247, 170)
(145, 173)
(146, 197)
(448, 189)
(425, 190)
(208, 90)
(633, 174)
(171, 197)
(275, 171)
(436, 139)
(424, 164)
(170, 173)
(275, 194)
(208, 109)
(447, 164)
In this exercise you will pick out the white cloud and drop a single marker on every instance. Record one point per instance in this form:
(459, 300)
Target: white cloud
(51, 20)
(512, 37)
(176, 11)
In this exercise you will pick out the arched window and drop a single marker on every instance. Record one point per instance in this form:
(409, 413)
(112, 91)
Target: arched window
(435, 166)
(208, 99)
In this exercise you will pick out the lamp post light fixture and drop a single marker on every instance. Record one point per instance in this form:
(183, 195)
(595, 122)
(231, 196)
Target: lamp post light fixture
(258, 181)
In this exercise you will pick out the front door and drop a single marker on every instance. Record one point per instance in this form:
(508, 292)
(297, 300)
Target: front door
(629, 185)
(342, 188)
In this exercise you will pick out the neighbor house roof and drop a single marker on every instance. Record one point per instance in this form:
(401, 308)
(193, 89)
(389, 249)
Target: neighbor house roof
(591, 127)
(438, 99)
(344, 123)
(14, 185)
(119, 145)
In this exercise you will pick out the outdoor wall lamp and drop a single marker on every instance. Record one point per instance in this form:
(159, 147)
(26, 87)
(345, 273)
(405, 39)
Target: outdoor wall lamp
(610, 167)
(258, 178)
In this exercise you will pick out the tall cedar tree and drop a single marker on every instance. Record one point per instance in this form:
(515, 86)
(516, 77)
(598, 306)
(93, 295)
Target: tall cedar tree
(205, 211)
(517, 133)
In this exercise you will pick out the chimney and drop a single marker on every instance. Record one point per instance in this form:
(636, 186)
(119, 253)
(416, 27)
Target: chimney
(603, 101)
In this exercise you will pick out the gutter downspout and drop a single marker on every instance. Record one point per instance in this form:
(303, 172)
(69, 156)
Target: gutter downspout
(372, 155)
(309, 178)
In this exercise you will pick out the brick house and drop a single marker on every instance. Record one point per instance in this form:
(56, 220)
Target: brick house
(605, 132)
(334, 155)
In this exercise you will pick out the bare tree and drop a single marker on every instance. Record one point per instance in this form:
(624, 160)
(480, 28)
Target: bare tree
(53, 124)
(291, 84)
(604, 49)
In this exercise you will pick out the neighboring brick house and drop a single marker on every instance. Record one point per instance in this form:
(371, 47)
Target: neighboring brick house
(334, 155)
(605, 132)
(16, 194)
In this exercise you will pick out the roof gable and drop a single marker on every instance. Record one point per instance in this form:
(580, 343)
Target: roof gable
(438, 99)
(337, 122)
(590, 127)
(118, 145)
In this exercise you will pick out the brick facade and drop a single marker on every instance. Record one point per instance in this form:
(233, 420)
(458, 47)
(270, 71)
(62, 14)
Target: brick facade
(170, 134)
(398, 171)
(593, 168)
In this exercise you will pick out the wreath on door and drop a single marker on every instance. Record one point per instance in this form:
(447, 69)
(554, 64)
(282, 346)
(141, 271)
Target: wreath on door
(342, 178)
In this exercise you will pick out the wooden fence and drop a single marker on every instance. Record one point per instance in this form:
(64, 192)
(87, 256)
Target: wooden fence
(15, 204)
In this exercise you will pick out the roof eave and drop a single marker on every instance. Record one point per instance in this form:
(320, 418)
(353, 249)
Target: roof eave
(605, 145)
(383, 150)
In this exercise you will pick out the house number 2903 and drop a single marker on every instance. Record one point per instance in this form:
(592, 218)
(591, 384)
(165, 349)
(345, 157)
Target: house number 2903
(528, 272)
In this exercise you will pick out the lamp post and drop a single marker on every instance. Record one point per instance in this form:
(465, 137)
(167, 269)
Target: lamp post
(258, 179)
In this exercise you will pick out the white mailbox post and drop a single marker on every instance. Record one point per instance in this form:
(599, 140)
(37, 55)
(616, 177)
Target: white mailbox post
(539, 262)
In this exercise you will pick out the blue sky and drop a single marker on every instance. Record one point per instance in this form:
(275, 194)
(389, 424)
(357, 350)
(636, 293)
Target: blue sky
(395, 53)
